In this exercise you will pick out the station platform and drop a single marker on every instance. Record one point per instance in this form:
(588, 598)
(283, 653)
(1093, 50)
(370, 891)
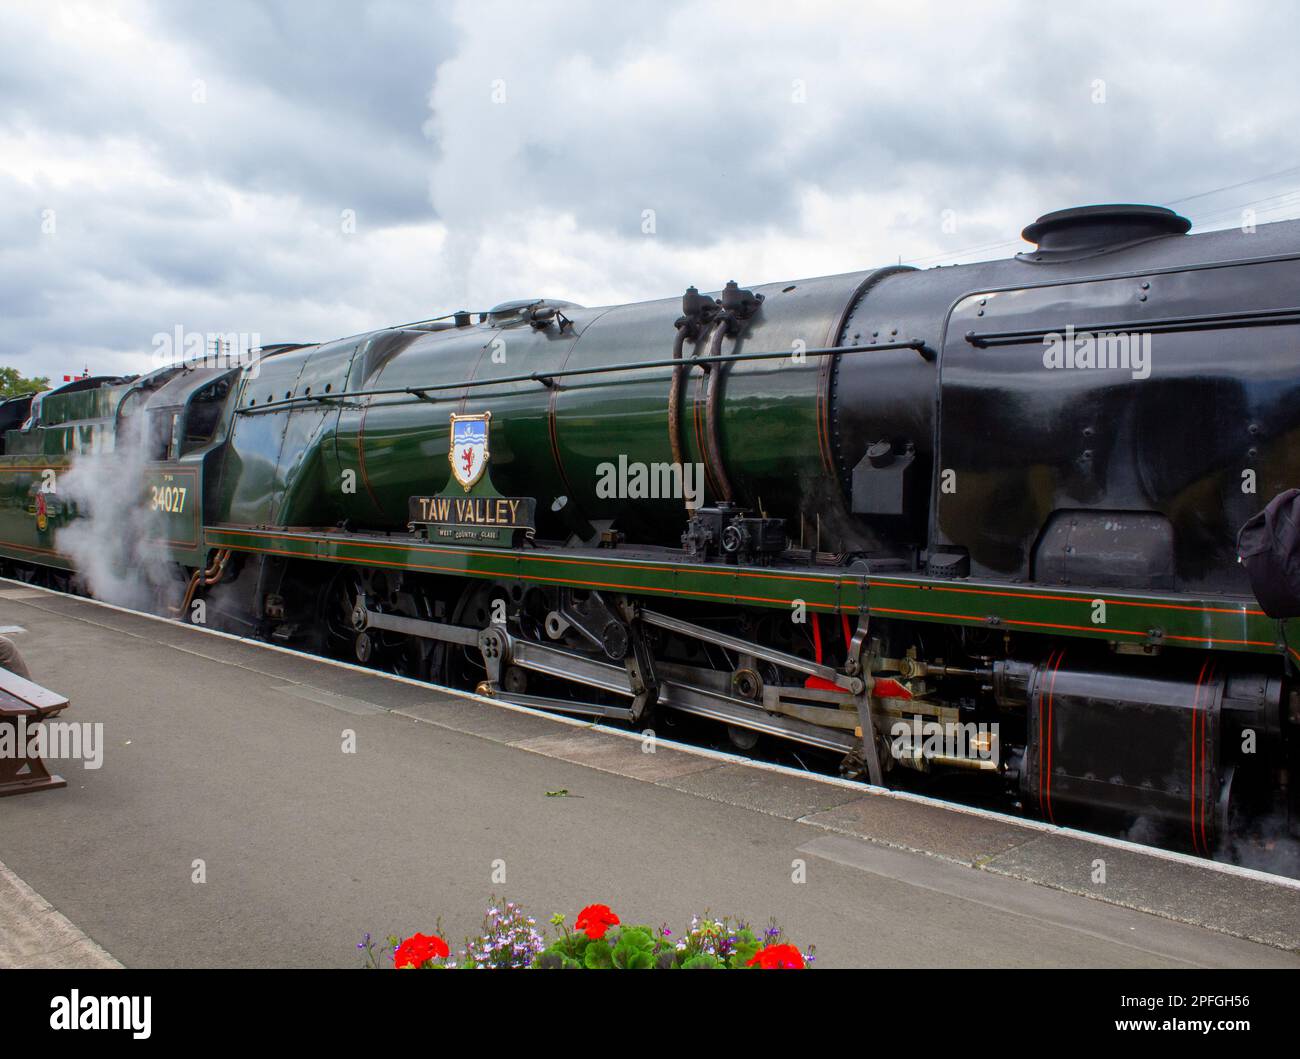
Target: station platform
(231, 752)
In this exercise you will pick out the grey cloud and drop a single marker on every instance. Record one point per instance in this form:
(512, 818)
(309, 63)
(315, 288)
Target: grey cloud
(325, 101)
(226, 214)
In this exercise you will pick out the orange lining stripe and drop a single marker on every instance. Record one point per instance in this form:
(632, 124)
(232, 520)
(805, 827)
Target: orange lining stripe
(1016, 621)
(1079, 599)
(650, 566)
(823, 420)
(653, 565)
(1212, 640)
(361, 457)
(1077, 628)
(28, 548)
(1209, 641)
(470, 571)
(830, 582)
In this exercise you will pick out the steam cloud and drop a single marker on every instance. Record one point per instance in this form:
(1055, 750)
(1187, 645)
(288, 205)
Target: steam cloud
(114, 539)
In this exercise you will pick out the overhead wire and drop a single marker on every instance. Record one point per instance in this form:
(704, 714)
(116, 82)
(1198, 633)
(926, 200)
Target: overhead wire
(1219, 213)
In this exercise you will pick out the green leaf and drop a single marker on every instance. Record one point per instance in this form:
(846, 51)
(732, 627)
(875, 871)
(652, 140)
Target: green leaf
(702, 962)
(599, 956)
(634, 942)
(12, 384)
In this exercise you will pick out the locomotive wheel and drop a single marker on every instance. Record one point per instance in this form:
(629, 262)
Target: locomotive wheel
(408, 656)
(461, 666)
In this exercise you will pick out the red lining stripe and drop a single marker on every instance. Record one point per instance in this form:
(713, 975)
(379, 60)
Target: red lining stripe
(1196, 703)
(1079, 599)
(1051, 661)
(878, 583)
(1206, 736)
(472, 572)
(1051, 696)
(844, 607)
(823, 420)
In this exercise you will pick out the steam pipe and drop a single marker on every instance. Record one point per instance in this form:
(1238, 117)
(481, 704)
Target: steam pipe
(712, 412)
(675, 399)
(207, 578)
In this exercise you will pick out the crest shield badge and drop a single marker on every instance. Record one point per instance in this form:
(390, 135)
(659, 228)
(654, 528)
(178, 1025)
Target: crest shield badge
(469, 447)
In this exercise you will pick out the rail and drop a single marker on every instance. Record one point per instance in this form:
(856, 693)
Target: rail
(1164, 325)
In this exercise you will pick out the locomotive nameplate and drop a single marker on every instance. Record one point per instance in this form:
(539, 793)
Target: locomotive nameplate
(481, 519)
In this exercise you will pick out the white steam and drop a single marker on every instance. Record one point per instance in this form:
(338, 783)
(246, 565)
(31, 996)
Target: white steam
(114, 540)
(1268, 846)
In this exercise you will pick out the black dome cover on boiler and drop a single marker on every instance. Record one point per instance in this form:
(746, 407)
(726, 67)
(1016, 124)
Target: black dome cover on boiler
(1084, 231)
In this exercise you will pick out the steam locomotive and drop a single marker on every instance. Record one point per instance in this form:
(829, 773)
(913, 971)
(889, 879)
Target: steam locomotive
(976, 519)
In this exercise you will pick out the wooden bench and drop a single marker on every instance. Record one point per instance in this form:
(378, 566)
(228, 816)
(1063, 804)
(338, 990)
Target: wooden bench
(19, 699)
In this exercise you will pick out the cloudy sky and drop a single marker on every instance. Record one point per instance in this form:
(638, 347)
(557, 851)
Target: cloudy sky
(305, 170)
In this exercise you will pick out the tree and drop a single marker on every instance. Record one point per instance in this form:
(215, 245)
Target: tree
(12, 384)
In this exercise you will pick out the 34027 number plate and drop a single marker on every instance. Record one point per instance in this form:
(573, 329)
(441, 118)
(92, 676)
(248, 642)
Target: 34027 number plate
(168, 498)
(173, 498)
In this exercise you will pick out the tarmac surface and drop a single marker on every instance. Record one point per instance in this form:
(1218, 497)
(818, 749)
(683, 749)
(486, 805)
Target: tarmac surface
(234, 754)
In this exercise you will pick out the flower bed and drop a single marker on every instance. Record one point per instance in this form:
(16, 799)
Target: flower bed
(597, 941)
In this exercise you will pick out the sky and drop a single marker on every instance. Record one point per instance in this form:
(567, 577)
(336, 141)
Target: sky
(300, 171)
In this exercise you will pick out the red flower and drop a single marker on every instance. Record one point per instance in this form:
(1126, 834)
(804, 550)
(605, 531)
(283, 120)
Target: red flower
(419, 949)
(595, 920)
(777, 957)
